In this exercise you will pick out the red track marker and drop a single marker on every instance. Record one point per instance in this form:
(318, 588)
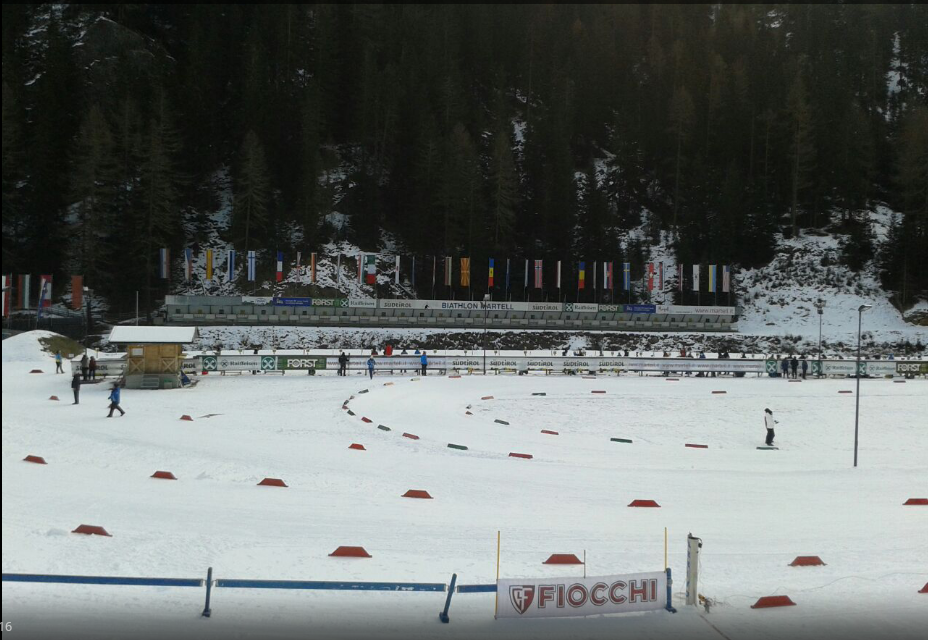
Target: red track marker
(410, 436)
(350, 552)
(91, 530)
(272, 482)
(807, 561)
(163, 475)
(417, 493)
(643, 503)
(773, 601)
(35, 459)
(562, 558)
(697, 446)
(527, 456)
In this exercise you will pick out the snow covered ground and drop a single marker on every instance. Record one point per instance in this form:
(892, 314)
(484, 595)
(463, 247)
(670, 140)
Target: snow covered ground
(755, 510)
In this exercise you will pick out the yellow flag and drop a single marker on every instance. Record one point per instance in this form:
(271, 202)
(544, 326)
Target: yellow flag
(209, 264)
(465, 272)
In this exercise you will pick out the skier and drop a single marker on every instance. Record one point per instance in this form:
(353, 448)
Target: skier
(76, 388)
(84, 367)
(342, 364)
(58, 367)
(794, 364)
(370, 366)
(769, 422)
(424, 361)
(114, 401)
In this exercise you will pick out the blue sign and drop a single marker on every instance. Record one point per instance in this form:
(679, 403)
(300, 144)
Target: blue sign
(639, 308)
(293, 302)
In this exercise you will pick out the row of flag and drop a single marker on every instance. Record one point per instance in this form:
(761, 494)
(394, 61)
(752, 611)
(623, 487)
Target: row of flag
(534, 271)
(23, 289)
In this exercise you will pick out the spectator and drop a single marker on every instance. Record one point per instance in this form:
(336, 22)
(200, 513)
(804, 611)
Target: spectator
(784, 367)
(805, 367)
(424, 361)
(85, 368)
(370, 366)
(343, 364)
(76, 388)
(388, 351)
(794, 365)
(58, 367)
(92, 366)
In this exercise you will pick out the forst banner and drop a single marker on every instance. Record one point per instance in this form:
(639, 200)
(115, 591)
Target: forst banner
(567, 597)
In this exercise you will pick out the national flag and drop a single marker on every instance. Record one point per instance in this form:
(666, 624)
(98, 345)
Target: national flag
(209, 264)
(608, 273)
(581, 280)
(312, 268)
(627, 275)
(695, 277)
(412, 273)
(595, 271)
(360, 268)
(7, 286)
(726, 278)
(280, 266)
(251, 266)
(507, 274)
(680, 277)
(490, 274)
(77, 292)
(465, 272)
(434, 269)
(447, 271)
(526, 274)
(45, 294)
(371, 268)
(299, 259)
(650, 276)
(230, 265)
(397, 273)
(23, 297)
(558, 274)
(338, 271)
(538, 274)
(660, 284)
(711, 278)
(188, 264)
(164, 263)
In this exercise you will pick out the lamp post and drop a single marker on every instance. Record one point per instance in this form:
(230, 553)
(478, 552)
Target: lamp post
(486, 310)
(88, 293)
(860, 315)
(820, 307)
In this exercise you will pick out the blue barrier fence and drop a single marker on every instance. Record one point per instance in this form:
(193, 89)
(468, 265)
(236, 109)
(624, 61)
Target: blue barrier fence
(104, 580)
(477, 588)
(332, 586)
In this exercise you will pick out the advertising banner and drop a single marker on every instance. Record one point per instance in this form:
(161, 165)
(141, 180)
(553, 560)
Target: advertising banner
(262, 300)
(581, 307)
(638, 308)
(567, 597)
(362, 303)
(293, 302)
(908, 368)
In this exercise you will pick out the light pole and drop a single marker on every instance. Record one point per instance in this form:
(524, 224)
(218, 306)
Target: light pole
(820, 307)
(486, 310)
(88, 293)
(860, 315)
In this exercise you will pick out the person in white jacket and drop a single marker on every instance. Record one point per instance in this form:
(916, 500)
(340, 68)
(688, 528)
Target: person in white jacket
(769, 422)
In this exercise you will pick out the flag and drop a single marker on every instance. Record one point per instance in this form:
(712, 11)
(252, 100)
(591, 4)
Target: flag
(188, 264)
(660, 283)
(360, 268)
(711, 278)
(77, 292)
(490, 274)
(45, 294)
(507, 274)
(164, 263)
(447, 271)
(312, 268)
(680, 278)
(650, 276)
(7, 285)
(338, 271)
(465, 272)
(526, 274)
(209, 264)
(538, 274)
(251, 266)
(695, 277)
(594, 276)
(371, 268)
(230, 265)
(607, 275)
(412, 273)
(726, 278)
(627, 275)
(581, 281)
(280, 266)
(558, 274)
(434, 269)
(397, 274)
(299, 257)
(24, 298)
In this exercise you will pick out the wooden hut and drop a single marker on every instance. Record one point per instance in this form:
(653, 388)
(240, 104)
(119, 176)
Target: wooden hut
(154, 355)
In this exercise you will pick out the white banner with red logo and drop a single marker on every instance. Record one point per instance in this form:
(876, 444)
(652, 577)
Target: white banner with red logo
(565, 597)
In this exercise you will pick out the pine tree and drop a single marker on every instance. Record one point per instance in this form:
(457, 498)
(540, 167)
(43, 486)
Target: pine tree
(504, 192)
(93, 190)
(802, 151)
(252, 197)
(681, 118)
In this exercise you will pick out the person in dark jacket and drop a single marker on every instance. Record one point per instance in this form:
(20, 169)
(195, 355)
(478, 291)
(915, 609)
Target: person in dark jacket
(84, 367)
(769, 422)
(805, 367)
(92, 367)
(370, 366)
(424, 361)
(114, 401)
(784, 367)
(794, 364)
(343, 364)
(76, 388)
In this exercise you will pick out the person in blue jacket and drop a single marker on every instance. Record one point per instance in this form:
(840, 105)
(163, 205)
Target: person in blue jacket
(114, 401)
(424, 361)
(370, 366)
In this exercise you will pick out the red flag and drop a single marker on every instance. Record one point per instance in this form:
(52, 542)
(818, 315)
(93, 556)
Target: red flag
(77, 292)
(660, 286)
(650, 276)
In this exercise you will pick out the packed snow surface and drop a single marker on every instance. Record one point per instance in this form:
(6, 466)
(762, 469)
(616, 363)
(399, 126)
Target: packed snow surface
(755, 510)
